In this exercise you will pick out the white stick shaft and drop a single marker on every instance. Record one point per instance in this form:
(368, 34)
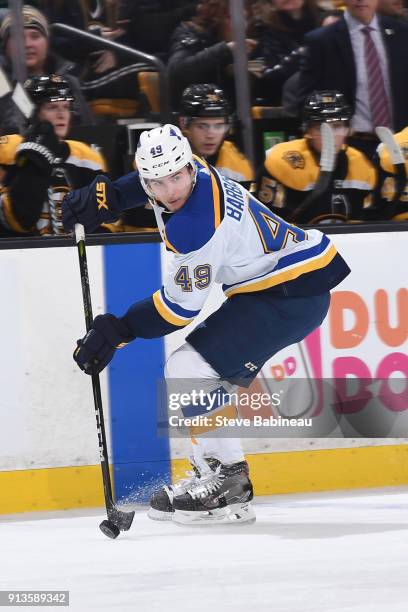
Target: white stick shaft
(388, 140)
(79, 232)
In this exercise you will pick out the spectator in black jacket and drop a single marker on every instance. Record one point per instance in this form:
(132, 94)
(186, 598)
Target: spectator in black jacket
(149, 24)
(280, 31)
(201, 50)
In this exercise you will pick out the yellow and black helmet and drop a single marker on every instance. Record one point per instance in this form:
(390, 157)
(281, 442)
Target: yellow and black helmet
(51, 88)
(204, 100)
(325, 106)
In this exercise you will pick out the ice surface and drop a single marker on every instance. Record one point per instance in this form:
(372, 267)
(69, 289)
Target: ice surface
(342, 552)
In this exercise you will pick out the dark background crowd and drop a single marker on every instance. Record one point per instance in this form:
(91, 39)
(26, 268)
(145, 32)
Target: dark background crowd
(293, 47)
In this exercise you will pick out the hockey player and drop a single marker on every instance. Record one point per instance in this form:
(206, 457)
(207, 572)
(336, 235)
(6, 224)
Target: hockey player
(391, 201)
(38, 169)
(276, 277)
(291, 169)
(205, 118)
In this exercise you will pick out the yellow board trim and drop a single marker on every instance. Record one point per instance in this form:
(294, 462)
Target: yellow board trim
(167, 316)
(287, 275)
(51, 489)
(272, 473)
(322, 470)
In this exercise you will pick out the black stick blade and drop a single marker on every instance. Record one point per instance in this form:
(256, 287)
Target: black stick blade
(123, 520)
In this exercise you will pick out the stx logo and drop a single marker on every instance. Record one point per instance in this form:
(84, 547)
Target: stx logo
(101, 195)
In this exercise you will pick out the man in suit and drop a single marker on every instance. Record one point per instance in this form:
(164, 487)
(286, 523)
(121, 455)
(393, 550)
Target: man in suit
(365, 56)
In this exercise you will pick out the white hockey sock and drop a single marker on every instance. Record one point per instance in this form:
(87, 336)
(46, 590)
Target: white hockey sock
(226, 450)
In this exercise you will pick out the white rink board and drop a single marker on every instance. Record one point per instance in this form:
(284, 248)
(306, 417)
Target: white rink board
(46, 405)
(376, 261)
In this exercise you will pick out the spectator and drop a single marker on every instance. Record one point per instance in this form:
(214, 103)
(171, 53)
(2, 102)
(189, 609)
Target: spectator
(280, 32)
(365, 56)
(37, 170)
(149, 25)
(205, 118)
(291, 169)
(145, 26)
(201, 50)
(291, 85)
(40, 62)
(74, 14)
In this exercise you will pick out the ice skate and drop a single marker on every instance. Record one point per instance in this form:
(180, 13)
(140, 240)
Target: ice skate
(221, 497)
(161, 502)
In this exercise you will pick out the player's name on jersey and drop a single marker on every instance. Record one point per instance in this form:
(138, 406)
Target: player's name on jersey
(221, 420)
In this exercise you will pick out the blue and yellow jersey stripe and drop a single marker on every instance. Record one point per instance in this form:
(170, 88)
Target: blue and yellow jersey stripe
(289, 268)
(171, 312)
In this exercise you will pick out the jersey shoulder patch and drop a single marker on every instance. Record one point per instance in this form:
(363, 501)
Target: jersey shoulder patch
(292, 164)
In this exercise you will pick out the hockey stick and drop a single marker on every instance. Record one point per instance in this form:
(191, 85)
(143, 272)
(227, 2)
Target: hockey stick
(19, 96)
(117, 519)
(397, 159)
(327, 163)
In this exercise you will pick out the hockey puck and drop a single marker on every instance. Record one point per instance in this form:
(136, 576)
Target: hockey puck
(109, 529)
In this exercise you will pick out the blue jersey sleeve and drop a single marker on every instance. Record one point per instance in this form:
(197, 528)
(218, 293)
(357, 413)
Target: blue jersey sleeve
(144, 321)
(129, 191)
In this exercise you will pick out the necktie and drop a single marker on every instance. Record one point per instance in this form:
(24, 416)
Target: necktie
(380, 113)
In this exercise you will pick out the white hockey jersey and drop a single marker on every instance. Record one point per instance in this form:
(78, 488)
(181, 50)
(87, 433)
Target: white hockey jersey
(225, 235)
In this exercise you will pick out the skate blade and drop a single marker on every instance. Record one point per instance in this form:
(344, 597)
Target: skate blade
(158, 515)
(234, 514)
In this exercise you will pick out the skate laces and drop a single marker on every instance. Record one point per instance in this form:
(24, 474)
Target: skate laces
(207, 484)
(182, 485)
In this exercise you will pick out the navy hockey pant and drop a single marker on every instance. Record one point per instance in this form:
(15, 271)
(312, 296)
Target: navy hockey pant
(250, 328)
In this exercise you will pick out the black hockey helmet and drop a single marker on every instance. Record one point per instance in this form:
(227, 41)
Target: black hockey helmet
(204, 100)
(324, 106)
(52, 88)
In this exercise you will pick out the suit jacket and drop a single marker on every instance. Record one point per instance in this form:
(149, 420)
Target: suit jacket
(328, 63)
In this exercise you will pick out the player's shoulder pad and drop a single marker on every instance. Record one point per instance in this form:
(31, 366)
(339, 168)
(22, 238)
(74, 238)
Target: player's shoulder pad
(360, 170)
(292, 164)
(231, 157)
(194, 224)
(384, 156)
(8, 146)
(84, 156)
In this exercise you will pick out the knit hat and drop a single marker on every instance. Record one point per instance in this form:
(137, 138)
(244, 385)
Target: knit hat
(32, 18)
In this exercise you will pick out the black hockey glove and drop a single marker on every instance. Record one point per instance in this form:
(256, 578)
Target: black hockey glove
(92, 205)
(40, 146)
(97, 348)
